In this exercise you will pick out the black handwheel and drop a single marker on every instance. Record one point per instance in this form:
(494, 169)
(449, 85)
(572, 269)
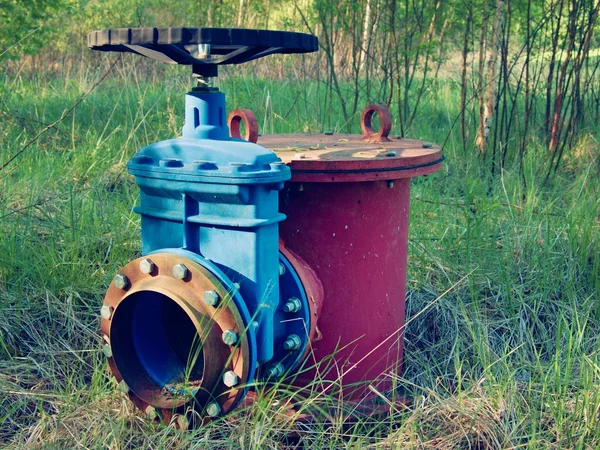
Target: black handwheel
(203, 48)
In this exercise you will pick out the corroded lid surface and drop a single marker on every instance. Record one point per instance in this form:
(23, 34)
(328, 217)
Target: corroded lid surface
(348, 157)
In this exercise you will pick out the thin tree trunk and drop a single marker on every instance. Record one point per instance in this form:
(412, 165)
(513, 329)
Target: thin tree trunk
(238, 23)
(463, 85)
(551, 67)
(482, 41)
(366, 37)
(558, 102)
(488, 112)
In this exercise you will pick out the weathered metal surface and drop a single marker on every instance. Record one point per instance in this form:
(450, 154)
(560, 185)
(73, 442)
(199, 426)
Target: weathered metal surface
(348, 158)
(209, 321)
(354, 237)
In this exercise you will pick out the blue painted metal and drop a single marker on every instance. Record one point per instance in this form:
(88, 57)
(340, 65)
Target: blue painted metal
(286, 324)
(216, 198)
(205, 116)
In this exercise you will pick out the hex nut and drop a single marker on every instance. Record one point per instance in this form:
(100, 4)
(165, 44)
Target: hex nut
(106, 312)
(329, 133)
(292, 342)
(390, 153)
(281, 269)
(213, 409)
(107, 350)
(275, 371)
(150, 412)
(293, 305)
(180, 271)
(123, 387)
(147, 266)
(230, 378)
(390, 184)
(211, 298)
(229, 337)
(121, 281)
(427, 145)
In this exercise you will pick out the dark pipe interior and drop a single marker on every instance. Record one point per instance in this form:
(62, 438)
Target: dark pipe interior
(157, 349)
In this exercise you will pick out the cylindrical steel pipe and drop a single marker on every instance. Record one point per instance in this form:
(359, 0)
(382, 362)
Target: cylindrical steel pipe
(354, 236)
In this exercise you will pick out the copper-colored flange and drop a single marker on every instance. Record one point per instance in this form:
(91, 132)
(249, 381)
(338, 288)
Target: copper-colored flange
(209, 321)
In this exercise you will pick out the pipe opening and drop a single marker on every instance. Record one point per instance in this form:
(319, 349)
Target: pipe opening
(157, 349)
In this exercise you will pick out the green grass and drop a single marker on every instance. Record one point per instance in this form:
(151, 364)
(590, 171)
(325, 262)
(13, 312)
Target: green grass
(504, 315)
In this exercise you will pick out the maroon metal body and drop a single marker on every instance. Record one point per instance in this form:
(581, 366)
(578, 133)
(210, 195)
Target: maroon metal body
(347, 209)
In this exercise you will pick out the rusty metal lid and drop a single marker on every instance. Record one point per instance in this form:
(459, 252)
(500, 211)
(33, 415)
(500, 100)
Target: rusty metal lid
(347, 157)
(332, 157)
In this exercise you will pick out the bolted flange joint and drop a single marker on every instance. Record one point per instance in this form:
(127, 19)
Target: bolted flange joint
(211, 298)
(275, 371)
(151, 412)
(106, 312)
(180, 271)
(107, 350)
(230, 378)
(121, 281)
(229, 337)
(213, 409)
(292, 342)
(123, 387)
(147, 266)
(293, 305)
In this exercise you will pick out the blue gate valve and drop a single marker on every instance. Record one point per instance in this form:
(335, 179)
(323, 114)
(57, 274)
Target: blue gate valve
(212, 305)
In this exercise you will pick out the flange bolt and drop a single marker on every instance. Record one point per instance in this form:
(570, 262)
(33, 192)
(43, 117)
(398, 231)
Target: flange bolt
(230, 337)
(107, 351)
(213, 409)
(180, 271)
(147, 266)
(123, 387)
(230, 378)
(121, 281)
(151, 412)
(275, 371)
(293, 342)
(106, 312)
(281, 269)
(211, 298)
(293, 305)
(390, 153)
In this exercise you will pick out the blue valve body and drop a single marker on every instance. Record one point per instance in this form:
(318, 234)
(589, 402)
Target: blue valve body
(217, 197)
